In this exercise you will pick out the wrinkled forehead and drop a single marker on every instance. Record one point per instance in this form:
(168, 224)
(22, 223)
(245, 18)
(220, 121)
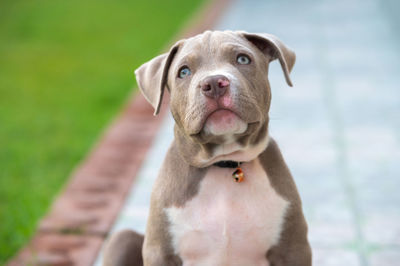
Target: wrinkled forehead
(211, 44)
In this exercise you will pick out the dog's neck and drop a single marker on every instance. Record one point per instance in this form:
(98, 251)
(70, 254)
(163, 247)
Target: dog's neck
(204, 155)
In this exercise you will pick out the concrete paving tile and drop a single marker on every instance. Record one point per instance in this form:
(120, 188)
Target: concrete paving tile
(365, 90)
(307, 147)
(386, 257)
(335, 257)
(368, 143)
(306, 91)
(331, 234)
(382, 228)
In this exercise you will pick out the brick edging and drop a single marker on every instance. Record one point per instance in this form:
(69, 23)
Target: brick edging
(82, 215)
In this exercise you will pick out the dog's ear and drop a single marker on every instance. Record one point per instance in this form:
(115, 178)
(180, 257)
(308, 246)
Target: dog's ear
(152, 77)
(272, 46)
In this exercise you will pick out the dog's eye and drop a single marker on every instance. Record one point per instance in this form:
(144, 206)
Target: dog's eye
(243, 59)
(184, 72)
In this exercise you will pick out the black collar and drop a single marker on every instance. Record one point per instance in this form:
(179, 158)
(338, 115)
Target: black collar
(227, 164)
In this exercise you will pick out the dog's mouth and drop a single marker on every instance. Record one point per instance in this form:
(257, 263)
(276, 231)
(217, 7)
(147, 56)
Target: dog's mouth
(224, 121)
(221, 122)
(216, 116)
(221, 115)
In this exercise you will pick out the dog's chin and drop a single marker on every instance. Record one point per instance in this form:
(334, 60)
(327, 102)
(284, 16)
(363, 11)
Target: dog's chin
(224, 123)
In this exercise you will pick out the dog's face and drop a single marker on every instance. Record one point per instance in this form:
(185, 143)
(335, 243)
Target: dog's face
(219, 86)
(218, 82)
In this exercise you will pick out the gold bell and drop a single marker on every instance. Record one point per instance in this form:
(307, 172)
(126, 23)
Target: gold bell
(238, 175)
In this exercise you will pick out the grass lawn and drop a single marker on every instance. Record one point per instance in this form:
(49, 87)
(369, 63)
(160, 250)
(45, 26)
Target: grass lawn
(66, 67)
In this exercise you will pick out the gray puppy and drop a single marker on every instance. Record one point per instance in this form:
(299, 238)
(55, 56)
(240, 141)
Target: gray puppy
(224, 195)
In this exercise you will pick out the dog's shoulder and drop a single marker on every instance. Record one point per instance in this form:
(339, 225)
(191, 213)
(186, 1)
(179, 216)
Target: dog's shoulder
(177, 181)
(278, 172)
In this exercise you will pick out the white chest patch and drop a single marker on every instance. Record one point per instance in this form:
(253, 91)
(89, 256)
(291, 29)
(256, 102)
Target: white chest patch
(228, 223)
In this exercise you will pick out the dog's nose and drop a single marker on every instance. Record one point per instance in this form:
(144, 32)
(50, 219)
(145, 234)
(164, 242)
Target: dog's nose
(214, 86)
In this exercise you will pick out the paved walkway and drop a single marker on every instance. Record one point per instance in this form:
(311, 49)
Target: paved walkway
(338, 127)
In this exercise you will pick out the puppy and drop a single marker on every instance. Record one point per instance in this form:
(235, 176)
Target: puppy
(224, 195)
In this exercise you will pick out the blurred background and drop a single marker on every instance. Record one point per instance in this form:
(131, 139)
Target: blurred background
(66, 69)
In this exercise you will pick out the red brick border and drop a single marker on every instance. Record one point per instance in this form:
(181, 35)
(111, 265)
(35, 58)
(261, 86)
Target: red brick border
(82, 215)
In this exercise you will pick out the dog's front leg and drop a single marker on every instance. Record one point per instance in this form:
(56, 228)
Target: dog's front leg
(157, 247)
(155, 256)
(124, 248)
(293, 248)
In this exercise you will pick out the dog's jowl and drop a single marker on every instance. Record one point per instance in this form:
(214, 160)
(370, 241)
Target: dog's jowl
(224, 195)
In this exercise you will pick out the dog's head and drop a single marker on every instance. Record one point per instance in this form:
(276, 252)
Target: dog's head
(220, 94)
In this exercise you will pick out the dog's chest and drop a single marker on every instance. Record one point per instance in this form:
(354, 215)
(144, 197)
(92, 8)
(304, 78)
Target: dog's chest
(228, 223)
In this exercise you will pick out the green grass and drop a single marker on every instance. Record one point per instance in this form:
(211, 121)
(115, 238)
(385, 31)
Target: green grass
(66, 68)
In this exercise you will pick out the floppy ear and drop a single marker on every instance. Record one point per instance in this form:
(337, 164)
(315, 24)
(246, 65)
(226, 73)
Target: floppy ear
(272, 46)
(152, 77)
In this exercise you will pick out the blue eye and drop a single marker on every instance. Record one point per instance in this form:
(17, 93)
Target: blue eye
(243, 59)
(184, 72)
